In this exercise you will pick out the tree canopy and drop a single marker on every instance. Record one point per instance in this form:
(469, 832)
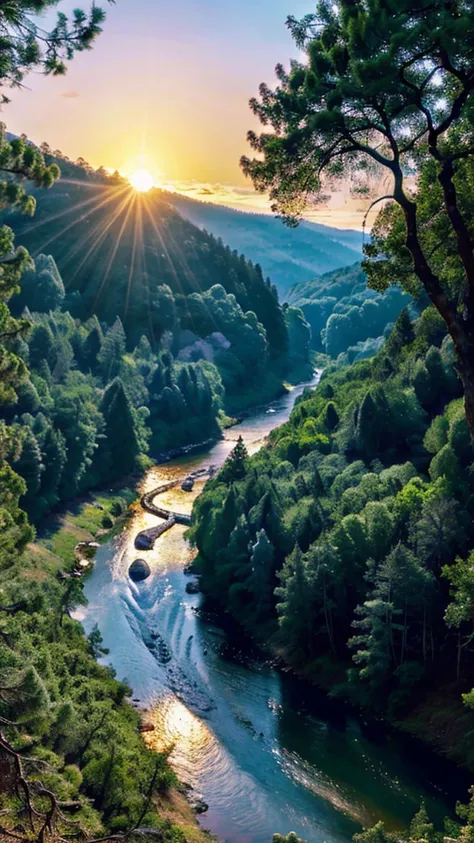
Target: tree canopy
(368, 101)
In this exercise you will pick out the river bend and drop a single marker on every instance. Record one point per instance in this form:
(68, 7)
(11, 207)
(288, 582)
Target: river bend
(264, 750)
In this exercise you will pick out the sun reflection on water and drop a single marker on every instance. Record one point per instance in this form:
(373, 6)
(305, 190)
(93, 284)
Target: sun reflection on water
(176, 726)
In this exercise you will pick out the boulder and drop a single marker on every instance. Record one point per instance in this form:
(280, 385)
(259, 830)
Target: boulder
(144, 542)
(139, 570)
(192, 587)
(199, 806)
(187, 485)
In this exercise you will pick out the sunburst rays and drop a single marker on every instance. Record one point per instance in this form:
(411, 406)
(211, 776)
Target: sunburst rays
(105, 221)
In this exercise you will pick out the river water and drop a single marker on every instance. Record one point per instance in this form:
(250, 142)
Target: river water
(264, 750)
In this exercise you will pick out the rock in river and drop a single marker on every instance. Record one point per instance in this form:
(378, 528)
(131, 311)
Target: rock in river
(139, 570)
(188, 484)
(192, 587)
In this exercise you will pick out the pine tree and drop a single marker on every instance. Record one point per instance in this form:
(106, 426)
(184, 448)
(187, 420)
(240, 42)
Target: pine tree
(294, 604)
(109, 358)
(143, 351)
(41, 343)
(120, 448)
(235, 466)
(398, 600)
(365, 94)
(30, 467)
(54, 457)
(421, 828)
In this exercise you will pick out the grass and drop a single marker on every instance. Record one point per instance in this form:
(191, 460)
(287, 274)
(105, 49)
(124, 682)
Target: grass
(174, 806)
(88, 520)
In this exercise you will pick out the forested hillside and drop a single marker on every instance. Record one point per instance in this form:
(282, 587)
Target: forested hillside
(344, 544)
(133, 256)
(133, 348)
(344, 548)
(72, 760)
(346, 316)
(288, 256)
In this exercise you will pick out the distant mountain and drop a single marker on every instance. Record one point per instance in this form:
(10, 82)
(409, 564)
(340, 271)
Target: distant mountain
(288, 256)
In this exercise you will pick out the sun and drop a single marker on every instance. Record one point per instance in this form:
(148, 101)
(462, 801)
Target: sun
(141, 180)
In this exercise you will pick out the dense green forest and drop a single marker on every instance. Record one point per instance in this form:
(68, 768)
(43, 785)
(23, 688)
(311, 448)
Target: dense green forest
(355, 531)
(104, 391)
(72, 759)
(133, 256)
(347, 317)
(346, 545)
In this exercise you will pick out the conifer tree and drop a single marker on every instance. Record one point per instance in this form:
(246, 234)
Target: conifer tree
(294, 604)
(235, 465)
(92, 345)
(109, 358)
(120, 447)
(30, 467)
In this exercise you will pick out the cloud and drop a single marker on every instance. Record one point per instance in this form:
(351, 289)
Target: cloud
(70, 95)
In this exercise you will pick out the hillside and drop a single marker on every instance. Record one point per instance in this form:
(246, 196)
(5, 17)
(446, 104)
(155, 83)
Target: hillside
(134, 257)
(287, 255)
(345, 315)
(345, 537)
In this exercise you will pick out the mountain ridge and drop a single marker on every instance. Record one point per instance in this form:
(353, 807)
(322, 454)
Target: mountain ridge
(287, 255)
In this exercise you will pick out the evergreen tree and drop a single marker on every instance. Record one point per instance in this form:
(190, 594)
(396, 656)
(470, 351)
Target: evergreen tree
(92, 345)
(120, 448)
(41, 343)
(54, 458)
(295, 604)
(398, 601)
(29, 467)
(42, 288)
(235, 465)
(109, 358)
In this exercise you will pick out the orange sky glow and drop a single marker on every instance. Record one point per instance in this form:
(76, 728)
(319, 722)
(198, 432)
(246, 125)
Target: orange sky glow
(166, 89)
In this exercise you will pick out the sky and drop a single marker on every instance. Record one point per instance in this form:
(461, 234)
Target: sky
(166, 88)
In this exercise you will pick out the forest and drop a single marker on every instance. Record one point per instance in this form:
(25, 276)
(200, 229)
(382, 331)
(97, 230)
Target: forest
(349, 321)
(290, 257)
(344, 548)
(102, 398)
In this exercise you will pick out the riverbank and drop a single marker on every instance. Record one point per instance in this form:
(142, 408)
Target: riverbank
(438, 718)
(242, 732)
(53, 553)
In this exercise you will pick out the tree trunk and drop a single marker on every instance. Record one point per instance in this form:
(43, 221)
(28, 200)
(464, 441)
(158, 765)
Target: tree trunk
(461, 329)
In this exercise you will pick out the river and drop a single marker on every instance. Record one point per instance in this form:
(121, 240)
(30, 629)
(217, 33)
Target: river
(266, 751)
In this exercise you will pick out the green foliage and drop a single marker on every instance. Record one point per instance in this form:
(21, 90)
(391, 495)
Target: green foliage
(355, 519)
(365, 100)
(288, 838)
(235, 464)
(42, 288)
(344, 314)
